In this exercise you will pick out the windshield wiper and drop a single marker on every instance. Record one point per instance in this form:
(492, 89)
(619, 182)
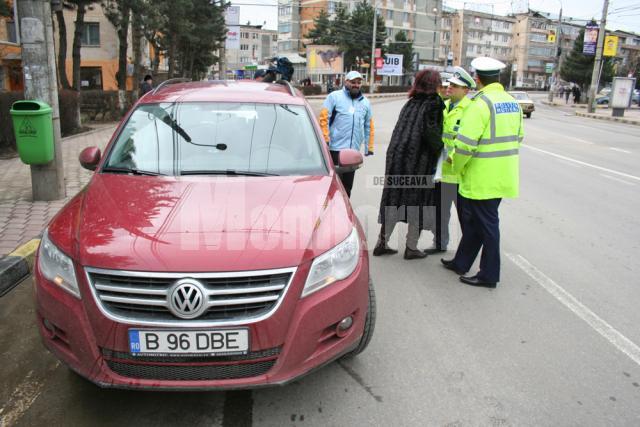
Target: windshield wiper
(160, 113)
(130, 171)
(229, 172)
(286, 107)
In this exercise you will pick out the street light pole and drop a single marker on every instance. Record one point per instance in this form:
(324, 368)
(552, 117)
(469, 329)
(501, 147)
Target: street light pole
(595, 75)
(435, 26)
(556, 59)
(373, 49)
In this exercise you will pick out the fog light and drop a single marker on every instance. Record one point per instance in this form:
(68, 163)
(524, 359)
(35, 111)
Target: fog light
(345, 323)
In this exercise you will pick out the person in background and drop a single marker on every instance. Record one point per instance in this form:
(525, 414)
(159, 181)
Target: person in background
(413, 152)
(346, 120)
(259, 75)
(147, 85)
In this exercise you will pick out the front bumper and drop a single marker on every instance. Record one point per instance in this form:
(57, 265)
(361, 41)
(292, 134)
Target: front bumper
(308, 340)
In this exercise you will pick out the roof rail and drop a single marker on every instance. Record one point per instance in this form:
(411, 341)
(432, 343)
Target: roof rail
(170, 82)
(292, 90)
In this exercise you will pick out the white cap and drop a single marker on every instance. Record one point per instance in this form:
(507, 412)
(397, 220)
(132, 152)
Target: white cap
(352, 75)
(486, 66)
(445, 84)
(462, 78)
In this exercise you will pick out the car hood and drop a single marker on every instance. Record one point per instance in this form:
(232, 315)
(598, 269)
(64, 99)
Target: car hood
(202, 224)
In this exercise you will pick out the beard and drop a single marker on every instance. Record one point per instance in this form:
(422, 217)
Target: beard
(354, 92)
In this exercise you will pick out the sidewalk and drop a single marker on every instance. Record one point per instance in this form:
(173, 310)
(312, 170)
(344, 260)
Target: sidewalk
(21, 219)
(631, 115)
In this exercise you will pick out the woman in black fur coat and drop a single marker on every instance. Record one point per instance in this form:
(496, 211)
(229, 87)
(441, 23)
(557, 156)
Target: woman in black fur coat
(412, 157)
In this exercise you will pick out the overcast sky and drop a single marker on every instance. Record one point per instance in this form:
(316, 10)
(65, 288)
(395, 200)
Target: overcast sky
(623, 14)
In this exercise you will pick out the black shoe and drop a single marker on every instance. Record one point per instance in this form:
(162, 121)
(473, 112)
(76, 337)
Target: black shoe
(414, 254)
(383, 250)
(435, 250)
(449, 265)
(474, 281)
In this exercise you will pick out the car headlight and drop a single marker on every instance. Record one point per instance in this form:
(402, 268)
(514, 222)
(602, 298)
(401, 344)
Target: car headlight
(57, 267)
(333, 265)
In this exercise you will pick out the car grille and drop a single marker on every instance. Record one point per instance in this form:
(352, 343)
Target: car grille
(191, 372)
(143, 297)
(254, 355)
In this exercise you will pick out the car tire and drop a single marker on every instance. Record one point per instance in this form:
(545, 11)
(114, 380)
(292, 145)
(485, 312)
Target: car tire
(528, 115)
(369, 325)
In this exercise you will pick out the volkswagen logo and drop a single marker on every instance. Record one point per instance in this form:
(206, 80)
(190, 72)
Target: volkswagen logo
(187, 299)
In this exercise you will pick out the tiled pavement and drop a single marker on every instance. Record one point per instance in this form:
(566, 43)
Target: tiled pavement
(21, 219)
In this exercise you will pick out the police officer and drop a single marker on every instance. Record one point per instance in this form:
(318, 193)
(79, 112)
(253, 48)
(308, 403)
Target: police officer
(486, 160)
(447, 181)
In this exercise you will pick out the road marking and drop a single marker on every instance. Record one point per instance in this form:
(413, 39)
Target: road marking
(584, 141)
(620, 150)
(617, 179)
(626, 175)
(621, 342)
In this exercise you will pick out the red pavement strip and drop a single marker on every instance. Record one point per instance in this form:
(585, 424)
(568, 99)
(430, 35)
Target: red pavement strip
(16, 266)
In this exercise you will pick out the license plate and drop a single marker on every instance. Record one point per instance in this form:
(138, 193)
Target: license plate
(180, 342)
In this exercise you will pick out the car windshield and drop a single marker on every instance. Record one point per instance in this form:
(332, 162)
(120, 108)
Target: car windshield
(520, 96)
(201, 138)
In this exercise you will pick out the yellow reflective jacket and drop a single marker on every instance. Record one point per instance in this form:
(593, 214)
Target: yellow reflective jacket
(449, 131)
(486, 146)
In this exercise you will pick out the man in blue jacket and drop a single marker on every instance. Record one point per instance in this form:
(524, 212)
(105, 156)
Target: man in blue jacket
(347, 122)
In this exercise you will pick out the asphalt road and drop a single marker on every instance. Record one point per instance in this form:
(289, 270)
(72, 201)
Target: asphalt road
(555, 344)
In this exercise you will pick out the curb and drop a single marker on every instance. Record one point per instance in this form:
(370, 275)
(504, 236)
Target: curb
(17, 266)
(93, 130)
(609, 118)
(367, 95)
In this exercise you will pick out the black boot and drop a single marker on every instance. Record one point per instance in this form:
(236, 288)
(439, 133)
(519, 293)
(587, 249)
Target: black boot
(414, 254)
(382, 249)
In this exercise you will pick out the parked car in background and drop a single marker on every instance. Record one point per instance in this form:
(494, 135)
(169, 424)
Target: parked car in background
(602, 100)
(214, 247)
(526, 104)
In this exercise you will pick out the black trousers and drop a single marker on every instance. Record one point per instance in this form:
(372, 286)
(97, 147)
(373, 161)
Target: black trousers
(446, 195)
(346, 178)
(480, 230)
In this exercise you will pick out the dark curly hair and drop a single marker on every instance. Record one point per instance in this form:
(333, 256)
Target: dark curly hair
(426, 82)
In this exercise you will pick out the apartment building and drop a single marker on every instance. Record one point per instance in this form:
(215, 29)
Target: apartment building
(257, 45)
(535, 51)
(10, 56)
(98, 52)
(470, 34)
(628, 47)
(419, 19)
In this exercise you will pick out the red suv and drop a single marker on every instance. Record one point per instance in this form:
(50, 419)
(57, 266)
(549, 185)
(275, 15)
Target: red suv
(213, 248)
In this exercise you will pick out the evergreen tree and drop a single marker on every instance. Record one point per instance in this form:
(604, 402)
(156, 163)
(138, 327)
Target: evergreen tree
(355, 38)
(402, 46)
(321, 33)
(578, 67)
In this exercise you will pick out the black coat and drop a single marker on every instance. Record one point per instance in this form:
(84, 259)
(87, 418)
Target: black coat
(416, 144)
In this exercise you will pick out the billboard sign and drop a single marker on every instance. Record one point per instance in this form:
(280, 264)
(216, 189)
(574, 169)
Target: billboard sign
(324, 59)
(610, 45)
(233, 38)
(622, 91)
(392, 65)
(590, 39)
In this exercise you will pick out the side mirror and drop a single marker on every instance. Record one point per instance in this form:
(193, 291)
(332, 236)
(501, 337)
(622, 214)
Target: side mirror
(89, 158)
(348, 161)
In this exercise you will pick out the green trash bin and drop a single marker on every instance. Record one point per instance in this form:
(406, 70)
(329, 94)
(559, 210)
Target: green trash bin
(33, 128)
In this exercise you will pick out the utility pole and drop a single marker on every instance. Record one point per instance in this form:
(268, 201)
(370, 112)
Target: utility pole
(595, 75)
(556, 59)
(39, 72)
(372, 65)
